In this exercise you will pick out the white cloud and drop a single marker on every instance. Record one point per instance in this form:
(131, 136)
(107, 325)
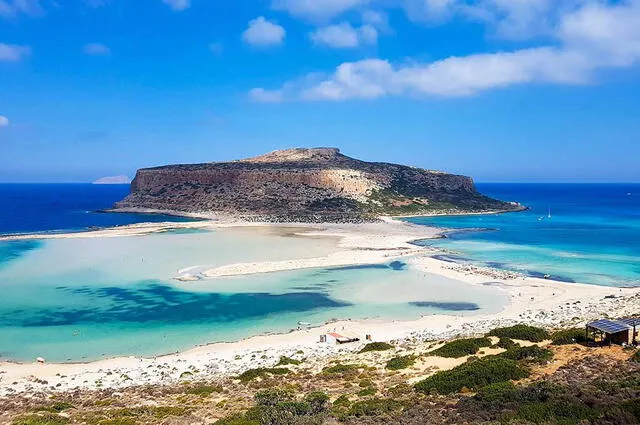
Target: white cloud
(262, 32)
(317, 10)
(96, 49)
(611, 35)
(4, 121)
(377, 19)
(13, 52)
(344, 35)
(13, 8)
(511, 19)
(430, 10)
(266, 96)
(592, 38)
(178, 5)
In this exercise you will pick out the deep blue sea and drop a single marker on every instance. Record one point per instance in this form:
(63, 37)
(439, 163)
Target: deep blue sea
(588, 233)
(31, 208)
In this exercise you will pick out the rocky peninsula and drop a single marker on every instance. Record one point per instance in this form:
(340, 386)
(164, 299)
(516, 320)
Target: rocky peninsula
(310, 185)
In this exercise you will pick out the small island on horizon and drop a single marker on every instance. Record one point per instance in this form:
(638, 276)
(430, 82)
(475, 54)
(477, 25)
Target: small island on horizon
(305, 185)
(113, 180)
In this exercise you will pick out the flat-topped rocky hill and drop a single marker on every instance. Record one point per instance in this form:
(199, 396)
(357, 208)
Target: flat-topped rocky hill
(314, 185)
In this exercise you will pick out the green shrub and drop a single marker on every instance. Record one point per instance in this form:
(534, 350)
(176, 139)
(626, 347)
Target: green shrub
(506, 343)
(261, 372)
(343, 369)
(367, 392)
(500, 392)
(44, 419)
(273, 397)
(554, 411)
(343, 401)
(284, 360)
(569, 336)
(374, 407)
(461, 347)
(318, 401)
(162, 412)
(204, 390)
(533, 354)
(57, 407)
(400, 390)
(376, 346)
(280, 407)
(401, 362)
(522, 332)
(636, 357)
(365, 383)
(473, 375)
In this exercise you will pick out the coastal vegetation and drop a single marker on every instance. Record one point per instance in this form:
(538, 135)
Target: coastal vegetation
(530, 354)
(569, 336)
(376, 346)
(261, 372)
(473, 375)
(284, 361)
(505, 343)
(512, 385)
(521, 332)
(461, 347)
(344, 370)
(203, 390)
(401, 362)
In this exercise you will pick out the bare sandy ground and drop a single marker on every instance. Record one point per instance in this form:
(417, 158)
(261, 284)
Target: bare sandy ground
(534, 301)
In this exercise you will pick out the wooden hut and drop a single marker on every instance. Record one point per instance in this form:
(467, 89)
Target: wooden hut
(612, 331)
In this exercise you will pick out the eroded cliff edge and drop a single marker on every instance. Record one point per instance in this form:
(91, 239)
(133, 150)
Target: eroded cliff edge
(315, 185)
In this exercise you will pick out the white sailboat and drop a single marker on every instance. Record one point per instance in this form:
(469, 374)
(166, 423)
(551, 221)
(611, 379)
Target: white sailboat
(549, 213)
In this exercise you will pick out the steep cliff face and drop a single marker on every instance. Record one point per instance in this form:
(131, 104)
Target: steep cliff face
(305, 184)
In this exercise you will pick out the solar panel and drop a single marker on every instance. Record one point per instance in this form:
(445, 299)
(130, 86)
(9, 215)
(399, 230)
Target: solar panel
(609, 326)
(631, 321)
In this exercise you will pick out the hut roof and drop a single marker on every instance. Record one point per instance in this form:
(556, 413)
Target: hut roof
(609, 326)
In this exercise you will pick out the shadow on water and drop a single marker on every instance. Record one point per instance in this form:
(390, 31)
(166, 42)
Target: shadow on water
(448, 306)
(153, 302)
(551, 277)
(394, 265)
(12, 250)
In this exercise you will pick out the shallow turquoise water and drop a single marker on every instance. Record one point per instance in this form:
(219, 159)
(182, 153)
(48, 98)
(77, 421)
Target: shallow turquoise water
(90, 298)
(592, 236)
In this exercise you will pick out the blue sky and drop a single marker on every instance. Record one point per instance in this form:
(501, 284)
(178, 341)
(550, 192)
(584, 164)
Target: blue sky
(502, 90)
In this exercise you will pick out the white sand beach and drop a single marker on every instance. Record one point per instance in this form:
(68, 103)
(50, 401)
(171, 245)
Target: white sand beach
(533, 301)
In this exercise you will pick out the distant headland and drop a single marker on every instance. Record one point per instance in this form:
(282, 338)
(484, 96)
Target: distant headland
(113, 180)
(311, 185)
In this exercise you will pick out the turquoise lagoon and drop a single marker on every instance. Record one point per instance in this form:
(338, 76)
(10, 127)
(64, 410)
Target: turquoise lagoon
(84, 299)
